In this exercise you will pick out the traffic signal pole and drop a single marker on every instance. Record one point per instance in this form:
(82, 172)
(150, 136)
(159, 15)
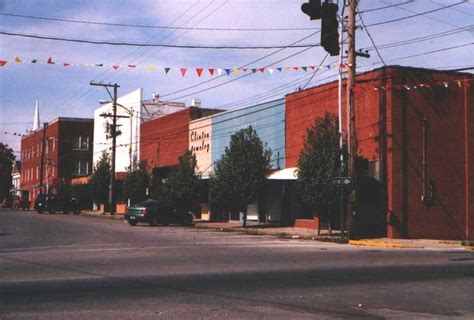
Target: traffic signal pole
(352, 138)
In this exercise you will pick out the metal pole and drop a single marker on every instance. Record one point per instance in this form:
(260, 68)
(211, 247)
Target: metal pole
(352, 114)
(114, 145)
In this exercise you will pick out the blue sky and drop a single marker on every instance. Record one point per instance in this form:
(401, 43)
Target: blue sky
(66, 91)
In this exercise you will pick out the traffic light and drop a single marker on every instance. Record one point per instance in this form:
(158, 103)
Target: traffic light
(312, 9)
(329, 28)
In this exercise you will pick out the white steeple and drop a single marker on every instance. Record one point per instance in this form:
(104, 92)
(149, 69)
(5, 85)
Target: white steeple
(36, 121)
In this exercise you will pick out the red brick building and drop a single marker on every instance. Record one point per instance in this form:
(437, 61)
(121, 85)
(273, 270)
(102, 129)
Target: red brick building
(414, 128)
(67, 154)
(164, 139)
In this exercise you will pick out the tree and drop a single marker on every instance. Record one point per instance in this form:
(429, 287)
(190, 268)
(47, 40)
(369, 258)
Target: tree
(7, 158)
(318, 162)
(182, 186)
(240, 173)
(100, 179)
(135, 183)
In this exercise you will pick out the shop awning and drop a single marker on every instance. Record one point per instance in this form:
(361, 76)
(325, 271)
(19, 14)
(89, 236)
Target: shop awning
(284, 174)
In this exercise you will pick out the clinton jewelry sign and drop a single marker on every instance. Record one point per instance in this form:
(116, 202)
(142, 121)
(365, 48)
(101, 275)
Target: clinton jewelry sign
(200, 144)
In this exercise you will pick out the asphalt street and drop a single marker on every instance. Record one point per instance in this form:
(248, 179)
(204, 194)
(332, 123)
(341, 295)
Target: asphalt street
(75, 267)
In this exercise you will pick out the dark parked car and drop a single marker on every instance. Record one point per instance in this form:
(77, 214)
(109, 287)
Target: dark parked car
(52, 203)
(157, 212)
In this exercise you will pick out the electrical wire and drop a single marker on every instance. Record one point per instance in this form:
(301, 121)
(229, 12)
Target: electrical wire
(159, 45)
(154, 27)
(386, 7)
(371, 39)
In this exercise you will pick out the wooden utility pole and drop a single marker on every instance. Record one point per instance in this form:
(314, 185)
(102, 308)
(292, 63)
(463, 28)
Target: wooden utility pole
(114, 133)
(352, 139)
(43, 145)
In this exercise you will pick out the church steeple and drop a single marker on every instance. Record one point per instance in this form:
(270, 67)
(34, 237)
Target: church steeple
(36, 121)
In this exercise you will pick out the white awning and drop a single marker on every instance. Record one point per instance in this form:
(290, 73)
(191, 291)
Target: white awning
(284, 174)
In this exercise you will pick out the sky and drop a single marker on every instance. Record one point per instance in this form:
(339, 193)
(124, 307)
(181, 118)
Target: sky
(65, 91)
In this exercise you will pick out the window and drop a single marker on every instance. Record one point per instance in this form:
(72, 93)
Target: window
(81, 168)
(80, 143)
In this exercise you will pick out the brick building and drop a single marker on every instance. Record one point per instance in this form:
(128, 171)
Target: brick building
(415, 133)
(67, 154)
(164, 139)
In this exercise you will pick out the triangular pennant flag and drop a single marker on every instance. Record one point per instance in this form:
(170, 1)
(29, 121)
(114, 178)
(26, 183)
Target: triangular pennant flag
(3, 62)
(295, 68)
(445, 84)
(199, 71)
(84, 65)
(279, 69)
(270, 70)
(262, 70)
(167, 70)
(132, 66)
(34, 61)
(245, 69)
(183, 71)
(219, 71)
(99, 65)
(66, 64)
(227, 71)
(287, 68)
(328, 66)
(211, 71)
(406, 87)
(50, 61)
(235, 70)
(149, 68)
(18, 60)
(304, 68)
(254, 70)
(115, 66)
(312, 67)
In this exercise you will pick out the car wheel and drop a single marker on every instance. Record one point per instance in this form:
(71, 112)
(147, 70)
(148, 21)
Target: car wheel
(154, 222)
(132, 223)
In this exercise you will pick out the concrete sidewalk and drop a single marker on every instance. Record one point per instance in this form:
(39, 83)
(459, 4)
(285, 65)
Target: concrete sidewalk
(308, 234)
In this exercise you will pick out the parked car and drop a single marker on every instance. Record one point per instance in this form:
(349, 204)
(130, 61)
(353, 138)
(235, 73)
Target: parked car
(52, 204)
(20, 203)
(157, 212)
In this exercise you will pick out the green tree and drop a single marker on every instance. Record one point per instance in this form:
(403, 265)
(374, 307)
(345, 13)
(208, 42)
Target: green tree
(100, 179)
(318, 162)
(240, 173)
(7, 158)
(182, 186)
(135, 183)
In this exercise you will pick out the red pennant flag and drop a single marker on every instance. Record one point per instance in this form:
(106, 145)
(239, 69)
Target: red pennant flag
(261, 69)
(50, 61)
(312, 67)
(115, 67)
(245, 69)
(3, 62)
(66, 64)
(183, 71)
(296, 68)
(199, 71)
(211, 71)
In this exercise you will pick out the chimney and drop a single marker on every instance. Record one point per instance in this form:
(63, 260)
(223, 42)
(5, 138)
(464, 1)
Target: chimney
(36, 121)
(196, 103)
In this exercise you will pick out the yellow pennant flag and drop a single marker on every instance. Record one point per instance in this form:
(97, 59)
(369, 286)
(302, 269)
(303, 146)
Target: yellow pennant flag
(149, 68)
(235, 70)
(18, 60)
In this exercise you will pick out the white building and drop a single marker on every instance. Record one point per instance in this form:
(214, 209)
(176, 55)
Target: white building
(15, 190)
(137, 111)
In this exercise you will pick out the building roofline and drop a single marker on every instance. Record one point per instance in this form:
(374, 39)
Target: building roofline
(59, 119)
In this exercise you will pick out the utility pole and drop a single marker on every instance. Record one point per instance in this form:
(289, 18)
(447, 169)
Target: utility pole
(114, 133)
(352, 139)
(43, 145)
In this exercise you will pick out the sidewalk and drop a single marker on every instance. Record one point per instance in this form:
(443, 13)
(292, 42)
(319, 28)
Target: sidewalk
(309, 234)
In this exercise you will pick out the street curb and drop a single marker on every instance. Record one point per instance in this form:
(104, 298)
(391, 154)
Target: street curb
(379, 244)
(103, 216)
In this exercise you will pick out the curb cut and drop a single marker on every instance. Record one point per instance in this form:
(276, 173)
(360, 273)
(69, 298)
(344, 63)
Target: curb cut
(378, 244)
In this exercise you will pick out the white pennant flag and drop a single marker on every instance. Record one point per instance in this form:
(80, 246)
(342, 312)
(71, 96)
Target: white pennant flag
(219, 71)
(270, 70)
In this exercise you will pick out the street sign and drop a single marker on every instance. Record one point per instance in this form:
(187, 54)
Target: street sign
(341, 182)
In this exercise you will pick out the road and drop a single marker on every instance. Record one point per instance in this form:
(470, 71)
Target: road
(75, 267)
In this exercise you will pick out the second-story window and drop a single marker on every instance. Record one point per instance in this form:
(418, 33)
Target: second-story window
(80, 143)
(81, 168)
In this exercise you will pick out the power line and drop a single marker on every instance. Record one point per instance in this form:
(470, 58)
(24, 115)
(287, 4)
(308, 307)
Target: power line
(415, 15)
(371, 39)
(160, 45)
(153, 27)
(386, 7)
